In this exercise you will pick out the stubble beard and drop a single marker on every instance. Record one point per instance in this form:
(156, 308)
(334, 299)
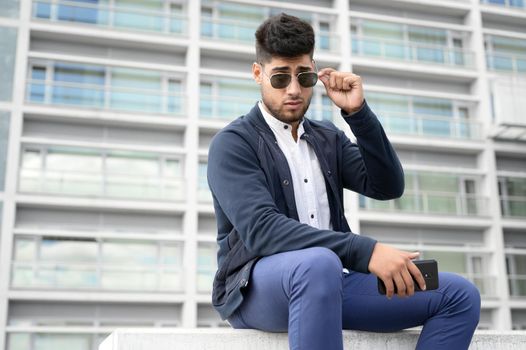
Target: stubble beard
(289, 117)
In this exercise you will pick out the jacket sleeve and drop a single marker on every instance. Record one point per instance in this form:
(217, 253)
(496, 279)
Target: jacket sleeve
(240, 189)
(370, 167)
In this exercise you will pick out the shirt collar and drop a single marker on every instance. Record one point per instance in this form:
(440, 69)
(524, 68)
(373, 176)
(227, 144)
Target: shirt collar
(277, 126)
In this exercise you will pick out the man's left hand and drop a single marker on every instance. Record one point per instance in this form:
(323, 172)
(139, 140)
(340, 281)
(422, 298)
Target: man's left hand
(343, 88)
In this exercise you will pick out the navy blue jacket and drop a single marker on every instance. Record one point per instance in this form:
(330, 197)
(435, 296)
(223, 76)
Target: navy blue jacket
(254, 200)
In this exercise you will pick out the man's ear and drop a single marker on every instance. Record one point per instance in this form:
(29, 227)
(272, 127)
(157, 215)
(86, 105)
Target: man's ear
(257, 74)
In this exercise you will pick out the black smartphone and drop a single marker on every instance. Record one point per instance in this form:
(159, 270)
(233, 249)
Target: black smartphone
(429, 269)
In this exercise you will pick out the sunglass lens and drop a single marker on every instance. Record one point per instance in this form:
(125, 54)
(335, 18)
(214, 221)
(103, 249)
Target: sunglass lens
(280, 81)
(308, 79)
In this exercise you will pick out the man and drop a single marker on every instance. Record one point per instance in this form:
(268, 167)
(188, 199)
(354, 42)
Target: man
(277, 180)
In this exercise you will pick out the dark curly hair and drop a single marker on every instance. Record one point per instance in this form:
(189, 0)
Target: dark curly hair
(284, 36)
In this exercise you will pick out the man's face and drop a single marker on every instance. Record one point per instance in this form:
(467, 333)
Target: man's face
(288, 104)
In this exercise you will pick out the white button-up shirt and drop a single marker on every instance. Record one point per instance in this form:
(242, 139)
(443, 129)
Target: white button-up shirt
(310, 192)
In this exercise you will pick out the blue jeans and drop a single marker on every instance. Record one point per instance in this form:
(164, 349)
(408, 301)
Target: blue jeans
(306, 293)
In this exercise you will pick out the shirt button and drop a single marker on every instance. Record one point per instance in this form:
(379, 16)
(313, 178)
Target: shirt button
(286, 126)
(305, 180)
(286, 182)
(312, 216)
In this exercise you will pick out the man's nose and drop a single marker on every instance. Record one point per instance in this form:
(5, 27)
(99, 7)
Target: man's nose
(294, 87)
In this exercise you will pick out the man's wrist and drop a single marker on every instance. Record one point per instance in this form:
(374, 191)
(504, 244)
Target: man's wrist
(350, 113)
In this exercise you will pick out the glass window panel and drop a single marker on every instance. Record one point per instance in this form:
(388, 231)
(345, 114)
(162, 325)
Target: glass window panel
(427, 35)
(438, 182)
(132, 163)
(202, 182)
(448, 261)
(78, 84)
(73, 160)
(383, 30)
(41, 9)
(85, 12)
(136, 90)
(172, 168)
(9, 8)
(4, 142)
(129, 252)
(128, 280)
(32, 159)
(25, 250)
(516, 187)
(43, 341)
(8, 40)
(175, 102)
(171, 254)
(18, 341)
(139, 14)
(56, 250)
(508, 45)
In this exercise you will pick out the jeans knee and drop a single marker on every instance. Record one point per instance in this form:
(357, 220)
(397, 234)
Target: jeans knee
(465, 298)
(319, 267)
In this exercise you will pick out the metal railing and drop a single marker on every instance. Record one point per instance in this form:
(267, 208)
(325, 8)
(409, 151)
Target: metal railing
(97, 184)
(514, 4)
(61, 275)
(412, 52)
(513, 206)
(104, 97)
(442, 203)
(243, 32)
(110, 16)
(428, 125)
(506, 62)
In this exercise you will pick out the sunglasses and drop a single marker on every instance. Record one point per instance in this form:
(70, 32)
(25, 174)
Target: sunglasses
(282, 80)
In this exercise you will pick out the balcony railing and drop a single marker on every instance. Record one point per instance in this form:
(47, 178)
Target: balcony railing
(56, 275)
(231, 107)
(517, 284)
(441, 203)
(427, 125)
(243, 32)
(506, 62)
(412, 52)
(110, 16)
(514, 4)
(104, 97)
(513, 207)
(96, 184)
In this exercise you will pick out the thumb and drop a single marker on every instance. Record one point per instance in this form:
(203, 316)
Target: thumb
(414, 255)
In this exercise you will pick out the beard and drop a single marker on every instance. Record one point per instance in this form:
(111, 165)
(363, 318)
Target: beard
(284, 114)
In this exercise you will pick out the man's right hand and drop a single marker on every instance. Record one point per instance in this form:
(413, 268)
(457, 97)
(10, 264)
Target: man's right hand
(395, 267)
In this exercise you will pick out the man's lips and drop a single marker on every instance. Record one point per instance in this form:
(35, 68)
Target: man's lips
(293, 103)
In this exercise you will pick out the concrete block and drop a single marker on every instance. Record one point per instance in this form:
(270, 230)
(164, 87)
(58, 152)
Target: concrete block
(244, 339)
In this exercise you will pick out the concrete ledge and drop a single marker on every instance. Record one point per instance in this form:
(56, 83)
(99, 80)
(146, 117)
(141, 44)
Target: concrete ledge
(243, 339)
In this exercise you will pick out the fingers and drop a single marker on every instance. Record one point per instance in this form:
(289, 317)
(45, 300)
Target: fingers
(389, 287)
(417, 275)
(338, 80)
(408, 281)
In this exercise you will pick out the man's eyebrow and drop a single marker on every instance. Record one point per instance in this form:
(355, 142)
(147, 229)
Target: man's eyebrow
(287, 68)
(281, 68)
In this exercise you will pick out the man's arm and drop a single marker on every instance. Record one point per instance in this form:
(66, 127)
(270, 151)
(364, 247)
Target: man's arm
(379, 174)
(240, 188)
(370, 167)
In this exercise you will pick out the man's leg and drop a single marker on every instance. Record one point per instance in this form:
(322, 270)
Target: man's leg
(299, 292)
(449, 314)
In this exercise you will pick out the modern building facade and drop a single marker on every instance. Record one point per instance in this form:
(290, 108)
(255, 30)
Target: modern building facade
(107, 108)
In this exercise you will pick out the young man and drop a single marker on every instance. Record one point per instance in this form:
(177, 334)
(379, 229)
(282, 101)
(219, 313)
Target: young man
(277, 180)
